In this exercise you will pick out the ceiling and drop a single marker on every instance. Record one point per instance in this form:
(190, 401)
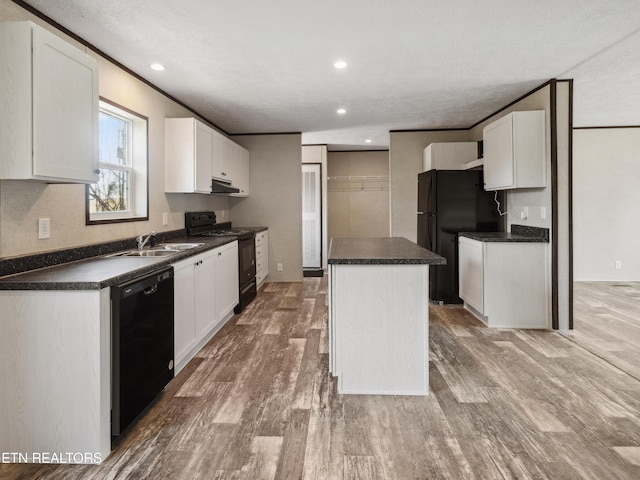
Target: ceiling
(254, 66)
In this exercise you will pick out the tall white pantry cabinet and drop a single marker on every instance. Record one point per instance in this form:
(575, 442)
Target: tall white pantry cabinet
(49, 114)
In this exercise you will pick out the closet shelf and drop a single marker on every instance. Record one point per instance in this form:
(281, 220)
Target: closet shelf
(367, 183)
(349, 178)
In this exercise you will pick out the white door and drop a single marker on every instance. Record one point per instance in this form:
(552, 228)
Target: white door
(311, 216)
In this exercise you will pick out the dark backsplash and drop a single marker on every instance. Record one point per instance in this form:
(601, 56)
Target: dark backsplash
(25, 263)
(528, 231)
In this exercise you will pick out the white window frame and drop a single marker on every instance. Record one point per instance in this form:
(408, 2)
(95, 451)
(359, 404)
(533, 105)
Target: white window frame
(136, 168)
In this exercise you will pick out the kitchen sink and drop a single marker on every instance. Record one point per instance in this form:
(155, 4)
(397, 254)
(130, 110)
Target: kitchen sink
(180, 246)
(156, 252)
(162, 250)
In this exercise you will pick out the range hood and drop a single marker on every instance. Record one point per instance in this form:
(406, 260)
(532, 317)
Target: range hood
(218, 187)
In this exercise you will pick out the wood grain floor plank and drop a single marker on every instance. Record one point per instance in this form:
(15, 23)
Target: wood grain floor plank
(359, 467)
(264, 459)
(294, 444)
(303, 394)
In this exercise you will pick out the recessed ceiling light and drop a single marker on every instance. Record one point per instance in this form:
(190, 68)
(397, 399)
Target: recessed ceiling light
(157, 66)
(368, 140)
(340, 64)
(342, 111)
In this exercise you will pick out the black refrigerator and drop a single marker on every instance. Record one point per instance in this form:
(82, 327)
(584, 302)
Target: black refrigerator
(451, 201)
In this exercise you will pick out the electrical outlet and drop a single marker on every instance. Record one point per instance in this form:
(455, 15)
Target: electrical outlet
(543, 213)
(279, 267)
(165, 218)
(618, 264)
(525, 213)
(44, 228)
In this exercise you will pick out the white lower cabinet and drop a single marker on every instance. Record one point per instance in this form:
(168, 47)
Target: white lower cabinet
(205, 293)
(262, 257)
(471, 273)
(505, 284)
(226, 280)
(55, 367)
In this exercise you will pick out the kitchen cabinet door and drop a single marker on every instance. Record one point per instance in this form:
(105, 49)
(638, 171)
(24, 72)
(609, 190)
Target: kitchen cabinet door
(184, 311)
(471, 273)
(203, 158)
(189, 146)
(240, 169)
(221, 160)
(514, 151)
(205, 299)
(49, 119)
(226, 279)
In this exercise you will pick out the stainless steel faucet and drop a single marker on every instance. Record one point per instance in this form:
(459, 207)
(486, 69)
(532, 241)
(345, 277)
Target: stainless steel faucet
(143, 239)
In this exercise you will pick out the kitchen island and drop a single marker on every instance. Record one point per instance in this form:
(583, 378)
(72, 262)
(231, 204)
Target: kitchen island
(379, 315)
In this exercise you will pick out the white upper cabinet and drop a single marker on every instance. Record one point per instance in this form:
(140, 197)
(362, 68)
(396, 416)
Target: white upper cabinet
(240, 170)
(49, 114)
(189, 146)
(514, 151)
(195, 153)
(448, 156)
(222, 153)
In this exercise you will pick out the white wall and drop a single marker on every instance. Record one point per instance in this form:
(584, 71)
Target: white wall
(606, 196)
(275, 200)
(405, 162)
(23, 202)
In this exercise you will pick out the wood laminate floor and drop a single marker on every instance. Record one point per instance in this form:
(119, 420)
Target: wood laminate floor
(607, 322)
(258, 403)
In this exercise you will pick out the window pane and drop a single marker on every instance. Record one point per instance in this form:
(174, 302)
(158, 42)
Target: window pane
(110, 193)
(114, 139)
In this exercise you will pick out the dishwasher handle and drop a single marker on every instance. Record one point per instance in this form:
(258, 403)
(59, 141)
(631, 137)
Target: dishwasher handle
(147, 284)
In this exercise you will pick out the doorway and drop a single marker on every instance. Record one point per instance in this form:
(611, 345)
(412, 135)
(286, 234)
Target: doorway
(312, 219)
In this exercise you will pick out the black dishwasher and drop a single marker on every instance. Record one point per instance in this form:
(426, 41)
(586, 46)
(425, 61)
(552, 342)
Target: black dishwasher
(141, 344)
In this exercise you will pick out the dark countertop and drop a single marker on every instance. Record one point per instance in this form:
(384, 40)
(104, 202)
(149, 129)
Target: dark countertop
(103, 271)
(519, 233)
(501, 237)
(251, 229)
(380, 251)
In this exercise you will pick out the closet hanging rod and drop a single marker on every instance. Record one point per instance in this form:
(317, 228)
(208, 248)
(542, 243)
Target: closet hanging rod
(346, 178)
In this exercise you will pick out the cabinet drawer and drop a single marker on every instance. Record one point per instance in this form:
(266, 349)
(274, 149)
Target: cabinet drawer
(259, 251)
(259, 239)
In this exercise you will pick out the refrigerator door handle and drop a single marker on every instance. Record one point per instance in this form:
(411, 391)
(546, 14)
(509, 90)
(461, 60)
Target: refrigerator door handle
(420, 213)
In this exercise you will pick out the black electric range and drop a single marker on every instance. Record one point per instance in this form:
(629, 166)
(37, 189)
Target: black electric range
(203, 224)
